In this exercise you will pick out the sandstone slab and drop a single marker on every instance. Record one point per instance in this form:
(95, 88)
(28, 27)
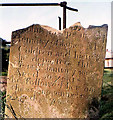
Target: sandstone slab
(56, 74)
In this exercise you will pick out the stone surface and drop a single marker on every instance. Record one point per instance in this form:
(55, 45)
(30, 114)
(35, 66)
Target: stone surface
(56, 74)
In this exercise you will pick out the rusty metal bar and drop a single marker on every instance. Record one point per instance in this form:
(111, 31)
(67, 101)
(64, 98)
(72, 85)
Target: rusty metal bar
(8, 42)
(73, 9)
(109, 58)
(4, 43)
(63, 4)
(59, 23)
(30, 4)
(64, 15)
(108, 67)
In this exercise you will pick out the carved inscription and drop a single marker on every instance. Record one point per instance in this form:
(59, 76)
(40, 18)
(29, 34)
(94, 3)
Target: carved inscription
(59, 72)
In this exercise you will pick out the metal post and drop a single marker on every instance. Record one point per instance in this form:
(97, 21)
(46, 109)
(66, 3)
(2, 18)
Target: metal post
(64, 14)
(59, 23)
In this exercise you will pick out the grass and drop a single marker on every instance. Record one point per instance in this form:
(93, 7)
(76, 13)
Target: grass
(3, 73)
(106, 104)
(2, 103)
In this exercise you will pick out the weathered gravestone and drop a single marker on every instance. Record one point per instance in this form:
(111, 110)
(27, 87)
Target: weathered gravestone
(54, 74)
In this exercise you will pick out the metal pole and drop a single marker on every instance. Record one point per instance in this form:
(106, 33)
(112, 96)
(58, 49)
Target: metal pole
(64, 14)
(4, 43)
(29, 4)
(59, 23)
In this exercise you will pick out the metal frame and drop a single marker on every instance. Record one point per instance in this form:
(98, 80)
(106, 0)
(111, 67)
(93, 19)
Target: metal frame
(59, 23)
(61, 4)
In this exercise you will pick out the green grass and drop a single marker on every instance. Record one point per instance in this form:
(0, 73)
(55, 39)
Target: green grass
(106, 104)
(108, 76)
(2, 102)
(3, 73)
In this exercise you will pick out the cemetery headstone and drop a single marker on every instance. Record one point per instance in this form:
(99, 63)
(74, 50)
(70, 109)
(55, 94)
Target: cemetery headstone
(55, 74)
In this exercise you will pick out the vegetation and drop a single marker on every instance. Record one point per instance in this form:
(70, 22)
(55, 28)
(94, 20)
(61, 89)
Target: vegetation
(5, 56)
(2, 103)
(106, 104)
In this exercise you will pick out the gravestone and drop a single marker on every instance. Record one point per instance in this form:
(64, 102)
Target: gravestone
(55, 74)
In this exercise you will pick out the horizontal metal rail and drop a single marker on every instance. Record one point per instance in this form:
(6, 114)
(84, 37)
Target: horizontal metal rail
(73, 9)
(108, 67)
(30, 4)
(109, 58)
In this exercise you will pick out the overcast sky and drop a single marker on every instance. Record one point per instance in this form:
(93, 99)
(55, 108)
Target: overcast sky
(91, 12)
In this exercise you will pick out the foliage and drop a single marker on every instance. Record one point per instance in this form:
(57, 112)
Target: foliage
(3, 73)
(2, 102)
(5, 54)
(106, 104)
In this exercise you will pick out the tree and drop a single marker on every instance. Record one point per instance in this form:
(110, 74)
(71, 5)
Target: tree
(5, 49)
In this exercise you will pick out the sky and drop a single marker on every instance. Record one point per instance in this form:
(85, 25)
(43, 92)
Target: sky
(90, 12)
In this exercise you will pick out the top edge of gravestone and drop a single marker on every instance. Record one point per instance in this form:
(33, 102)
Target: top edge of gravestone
(104, 25)
(90, 26)
(52, 30)
(23, 30)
